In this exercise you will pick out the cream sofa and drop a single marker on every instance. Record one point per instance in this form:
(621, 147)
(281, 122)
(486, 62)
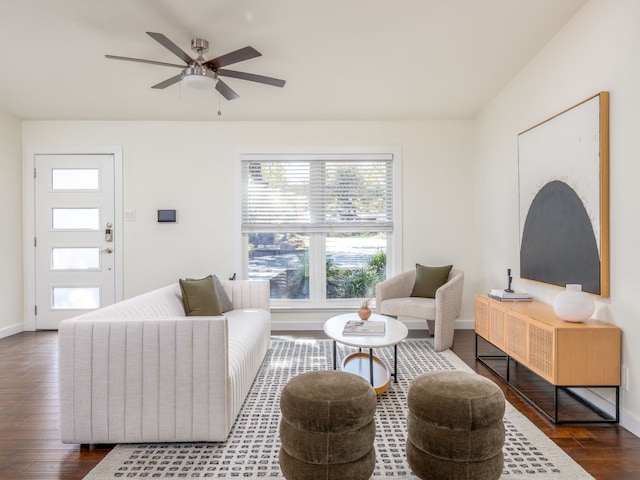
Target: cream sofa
(141, 371)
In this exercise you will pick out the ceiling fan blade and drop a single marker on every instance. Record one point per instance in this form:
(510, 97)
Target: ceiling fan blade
(276, 82)
(169, 45)
(168, 82)
(140, 60)
(225, 90)
(233, 57)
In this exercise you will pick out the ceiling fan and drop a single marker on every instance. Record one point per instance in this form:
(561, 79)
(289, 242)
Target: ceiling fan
(203, 74)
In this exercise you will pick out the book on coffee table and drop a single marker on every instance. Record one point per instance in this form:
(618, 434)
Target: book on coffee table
(361, 327)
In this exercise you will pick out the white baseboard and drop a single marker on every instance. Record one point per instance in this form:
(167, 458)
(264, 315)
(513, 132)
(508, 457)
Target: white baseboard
(630, 423)
(465, 324)
(411, 323)
(627, 421)
(602, 403)
(11, 330)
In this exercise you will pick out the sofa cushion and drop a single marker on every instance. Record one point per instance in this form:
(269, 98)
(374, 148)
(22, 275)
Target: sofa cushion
(223, 298)
(200, 297)
(248, 333)
(429, 279)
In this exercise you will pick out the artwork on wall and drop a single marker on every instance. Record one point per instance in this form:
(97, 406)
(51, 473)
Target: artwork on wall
(563, 175)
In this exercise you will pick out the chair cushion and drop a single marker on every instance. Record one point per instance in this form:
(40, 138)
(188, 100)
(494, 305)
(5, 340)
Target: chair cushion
(416, 307)
(429, 279)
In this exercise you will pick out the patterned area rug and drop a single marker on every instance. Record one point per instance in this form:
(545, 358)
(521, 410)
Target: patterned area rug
(251, 450)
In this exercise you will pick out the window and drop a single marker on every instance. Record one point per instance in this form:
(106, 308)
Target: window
(320, 227)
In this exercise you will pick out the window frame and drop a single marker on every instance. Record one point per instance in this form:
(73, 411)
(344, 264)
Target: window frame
(317, 259)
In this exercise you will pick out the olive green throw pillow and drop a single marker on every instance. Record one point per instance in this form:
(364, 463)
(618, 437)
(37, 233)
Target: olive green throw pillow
(200, 298)
(429, 279)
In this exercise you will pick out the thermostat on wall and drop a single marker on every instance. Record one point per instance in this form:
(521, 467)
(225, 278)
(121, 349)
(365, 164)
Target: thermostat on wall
(166, 216)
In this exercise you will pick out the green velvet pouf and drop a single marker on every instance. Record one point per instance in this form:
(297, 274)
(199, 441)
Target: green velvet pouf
(294, 469)
(455, 429)
(327, 447)
(327, 430)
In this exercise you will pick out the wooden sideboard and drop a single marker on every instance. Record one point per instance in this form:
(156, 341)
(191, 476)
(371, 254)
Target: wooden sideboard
(565, 354)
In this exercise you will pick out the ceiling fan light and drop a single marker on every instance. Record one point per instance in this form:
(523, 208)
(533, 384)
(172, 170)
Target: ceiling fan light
(200, 82)
(199, 78)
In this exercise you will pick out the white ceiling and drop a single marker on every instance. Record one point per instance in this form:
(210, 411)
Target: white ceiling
(342, 59)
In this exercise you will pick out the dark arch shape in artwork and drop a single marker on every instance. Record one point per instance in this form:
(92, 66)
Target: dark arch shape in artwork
(558, 242)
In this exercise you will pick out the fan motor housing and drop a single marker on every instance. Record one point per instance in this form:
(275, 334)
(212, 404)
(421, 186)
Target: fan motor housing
(199, 45)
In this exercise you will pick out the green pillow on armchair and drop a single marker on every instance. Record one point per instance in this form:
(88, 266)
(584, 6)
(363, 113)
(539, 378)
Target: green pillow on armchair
(429, 279)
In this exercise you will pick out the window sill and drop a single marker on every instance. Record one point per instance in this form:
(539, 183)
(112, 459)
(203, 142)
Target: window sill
(294, 309)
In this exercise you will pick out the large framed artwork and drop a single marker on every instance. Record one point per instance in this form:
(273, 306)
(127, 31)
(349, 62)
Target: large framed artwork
(563, 185)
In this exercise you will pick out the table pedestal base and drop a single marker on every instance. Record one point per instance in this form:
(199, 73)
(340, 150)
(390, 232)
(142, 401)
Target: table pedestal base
(369, 367)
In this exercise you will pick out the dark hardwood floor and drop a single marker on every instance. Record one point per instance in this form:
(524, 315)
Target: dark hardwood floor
(606, 451)
(30, 449)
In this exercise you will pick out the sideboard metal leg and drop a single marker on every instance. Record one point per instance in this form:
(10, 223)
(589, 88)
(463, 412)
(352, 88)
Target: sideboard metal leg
(476, 345)
(335, 354)
(395, 363)
(371, 365)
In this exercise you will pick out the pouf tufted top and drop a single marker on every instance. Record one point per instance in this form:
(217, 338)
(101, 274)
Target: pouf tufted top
(456, 400)
(328, 401)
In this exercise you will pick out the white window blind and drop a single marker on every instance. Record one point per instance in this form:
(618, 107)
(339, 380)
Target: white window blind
(319, 192)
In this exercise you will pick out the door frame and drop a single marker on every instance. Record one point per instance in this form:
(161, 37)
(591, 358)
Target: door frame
(29, 217)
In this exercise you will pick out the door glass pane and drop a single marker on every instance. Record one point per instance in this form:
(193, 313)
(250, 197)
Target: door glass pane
(83, 298)
(75, 179)
(356, 262)
(76, 218)
(81, 258)
(283, 259)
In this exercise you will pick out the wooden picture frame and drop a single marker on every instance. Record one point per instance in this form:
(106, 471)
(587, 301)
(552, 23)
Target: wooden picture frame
(563, 189)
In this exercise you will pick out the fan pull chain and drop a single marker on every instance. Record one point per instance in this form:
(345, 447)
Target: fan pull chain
(219, 110)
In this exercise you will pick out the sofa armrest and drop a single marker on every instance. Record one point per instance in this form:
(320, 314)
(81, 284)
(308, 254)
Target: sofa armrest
(248, 294)
(399, 286)
(143, 380)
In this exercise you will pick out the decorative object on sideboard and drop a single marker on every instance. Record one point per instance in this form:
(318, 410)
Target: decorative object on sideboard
(574, 305)
(510, 279)
(504, 296)
(365, 312)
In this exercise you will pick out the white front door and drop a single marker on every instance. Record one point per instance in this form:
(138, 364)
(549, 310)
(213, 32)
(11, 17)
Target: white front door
(74, 235)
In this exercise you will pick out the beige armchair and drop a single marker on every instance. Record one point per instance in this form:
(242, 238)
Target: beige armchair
(393, 298)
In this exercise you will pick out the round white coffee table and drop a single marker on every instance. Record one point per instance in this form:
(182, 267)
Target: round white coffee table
(368, 365)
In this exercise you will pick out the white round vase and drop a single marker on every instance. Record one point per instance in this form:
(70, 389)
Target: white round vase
(574, 305)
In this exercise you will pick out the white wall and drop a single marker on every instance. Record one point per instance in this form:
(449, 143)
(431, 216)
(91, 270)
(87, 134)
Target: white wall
(454, 210)
(11, 280)
(189, 166)
(597, 50)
